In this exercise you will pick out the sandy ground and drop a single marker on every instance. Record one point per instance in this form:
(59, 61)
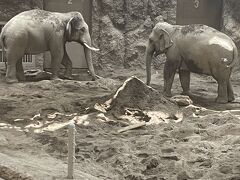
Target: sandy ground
(196, 141)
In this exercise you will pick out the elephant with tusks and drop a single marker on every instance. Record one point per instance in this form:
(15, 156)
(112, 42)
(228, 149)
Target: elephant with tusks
(193, 48)
(37, 31)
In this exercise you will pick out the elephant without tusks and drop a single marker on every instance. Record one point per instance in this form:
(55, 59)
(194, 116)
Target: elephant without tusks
(37, 31)
(193, 48)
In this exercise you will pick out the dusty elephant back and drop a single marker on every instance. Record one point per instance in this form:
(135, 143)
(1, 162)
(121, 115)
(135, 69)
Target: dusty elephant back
(37, 25)
(200, 31)
(209, 41)
(43, 19)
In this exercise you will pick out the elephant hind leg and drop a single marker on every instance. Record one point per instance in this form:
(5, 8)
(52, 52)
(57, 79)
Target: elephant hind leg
(12, 59)
(222, 90)
(11, 73)
(20, 71)
(222, 76)
(14, 54)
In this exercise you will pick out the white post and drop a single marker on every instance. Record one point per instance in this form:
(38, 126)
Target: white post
(71, 149)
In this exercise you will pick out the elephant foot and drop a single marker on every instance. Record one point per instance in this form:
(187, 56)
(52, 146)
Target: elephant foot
(56, 78)
(21, 76)
(69, 77)
(231, 99)
(187, 93)
(167, 94)
(221, 100)
(22, 79)
(11, 80)
(95, 77)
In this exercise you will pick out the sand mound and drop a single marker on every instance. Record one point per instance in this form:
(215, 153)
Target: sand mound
(134, 93)
(134, 102)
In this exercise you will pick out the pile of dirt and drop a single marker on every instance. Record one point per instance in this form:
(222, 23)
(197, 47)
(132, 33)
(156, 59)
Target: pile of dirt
(134, 102)
(7, 173)
(134, 93)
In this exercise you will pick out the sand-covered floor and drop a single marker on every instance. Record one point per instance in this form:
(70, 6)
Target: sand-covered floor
(196, 141)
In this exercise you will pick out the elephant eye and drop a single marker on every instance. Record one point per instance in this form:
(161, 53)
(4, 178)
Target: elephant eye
(83, 29)
(160, 36)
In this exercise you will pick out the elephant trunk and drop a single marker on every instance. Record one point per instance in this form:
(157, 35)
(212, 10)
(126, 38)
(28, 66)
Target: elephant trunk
(87, 43)
(148, 59)
(88, 56)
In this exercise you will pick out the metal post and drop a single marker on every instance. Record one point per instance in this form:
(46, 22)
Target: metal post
(71, 149)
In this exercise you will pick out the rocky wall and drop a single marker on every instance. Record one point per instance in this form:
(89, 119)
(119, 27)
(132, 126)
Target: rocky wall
(231, 20)
(121, 28)
(231, 23)
(9, 8)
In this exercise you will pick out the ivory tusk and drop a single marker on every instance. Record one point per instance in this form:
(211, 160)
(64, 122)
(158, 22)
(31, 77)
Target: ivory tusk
(91, 48)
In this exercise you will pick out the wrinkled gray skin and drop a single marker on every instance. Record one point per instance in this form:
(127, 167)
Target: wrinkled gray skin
(37, 31)
(193, 48)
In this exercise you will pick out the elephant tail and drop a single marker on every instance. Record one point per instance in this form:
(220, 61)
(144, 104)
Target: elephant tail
(235, 60)
(2, 42)
(2, 39)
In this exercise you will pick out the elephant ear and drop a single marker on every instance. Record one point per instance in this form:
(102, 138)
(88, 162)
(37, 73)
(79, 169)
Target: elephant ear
(69, 28)
(73, 25)
(165, 40)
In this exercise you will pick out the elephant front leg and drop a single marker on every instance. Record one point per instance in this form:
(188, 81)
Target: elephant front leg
(68, 65)
(55, 64)
(184, 76)
(57, 51)
(88, 56)
(169, 73)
